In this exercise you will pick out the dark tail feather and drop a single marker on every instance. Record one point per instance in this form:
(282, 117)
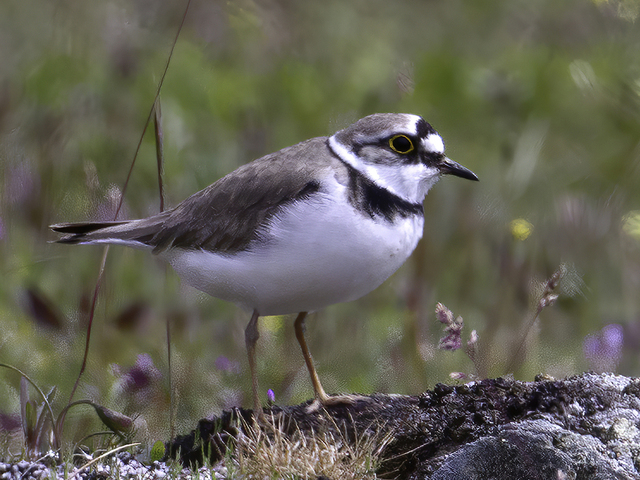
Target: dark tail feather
(82, 228)
(77, 232)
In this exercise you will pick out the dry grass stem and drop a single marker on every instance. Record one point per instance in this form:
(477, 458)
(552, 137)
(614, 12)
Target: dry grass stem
(275, 454)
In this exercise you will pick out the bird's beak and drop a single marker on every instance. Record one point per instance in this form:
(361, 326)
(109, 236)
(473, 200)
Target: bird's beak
(449, 167)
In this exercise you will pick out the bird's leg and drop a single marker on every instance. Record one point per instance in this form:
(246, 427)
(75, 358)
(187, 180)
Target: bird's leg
(317, 386)
(322, 399)
(251, 336)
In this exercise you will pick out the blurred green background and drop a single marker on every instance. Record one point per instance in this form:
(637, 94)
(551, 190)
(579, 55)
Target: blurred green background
(540, 98)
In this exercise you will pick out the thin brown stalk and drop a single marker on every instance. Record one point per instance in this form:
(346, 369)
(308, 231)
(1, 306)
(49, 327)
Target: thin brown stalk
(152, 109)
(159, 136)
(124, 189)
(94, 301)
(547, 298)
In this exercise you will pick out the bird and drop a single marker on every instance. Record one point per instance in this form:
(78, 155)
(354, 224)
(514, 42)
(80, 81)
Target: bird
(321, 222)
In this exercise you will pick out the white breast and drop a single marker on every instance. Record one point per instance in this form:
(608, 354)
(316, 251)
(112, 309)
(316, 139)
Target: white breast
(316, 253)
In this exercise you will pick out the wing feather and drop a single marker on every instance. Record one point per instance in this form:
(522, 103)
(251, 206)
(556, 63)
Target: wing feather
(227, 215)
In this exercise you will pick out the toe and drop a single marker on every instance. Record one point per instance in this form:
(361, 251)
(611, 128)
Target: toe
(332, 400)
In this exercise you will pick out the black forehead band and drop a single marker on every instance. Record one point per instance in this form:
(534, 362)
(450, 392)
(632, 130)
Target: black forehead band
(424, 129)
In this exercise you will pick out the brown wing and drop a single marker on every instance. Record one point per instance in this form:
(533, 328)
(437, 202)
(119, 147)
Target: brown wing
(226, 216)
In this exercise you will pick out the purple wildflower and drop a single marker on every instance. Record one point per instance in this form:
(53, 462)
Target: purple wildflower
(142, 374)
(603, 350)
(223, 364)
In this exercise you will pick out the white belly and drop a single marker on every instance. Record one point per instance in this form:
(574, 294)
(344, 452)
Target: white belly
(315, 254)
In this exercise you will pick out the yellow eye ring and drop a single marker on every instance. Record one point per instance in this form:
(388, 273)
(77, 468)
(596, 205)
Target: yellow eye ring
(401, 144)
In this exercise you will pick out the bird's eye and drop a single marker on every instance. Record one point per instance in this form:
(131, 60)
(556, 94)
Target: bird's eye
(401, 144)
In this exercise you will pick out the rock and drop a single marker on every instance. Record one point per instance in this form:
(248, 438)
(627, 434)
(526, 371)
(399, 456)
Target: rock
(583, 427)
(534, 449)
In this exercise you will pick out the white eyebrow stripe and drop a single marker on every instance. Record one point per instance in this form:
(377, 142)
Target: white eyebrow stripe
(412, 123)
(433, 143)
(410, 128)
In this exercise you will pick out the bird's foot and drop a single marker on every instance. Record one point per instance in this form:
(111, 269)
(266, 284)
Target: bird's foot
(330, 400)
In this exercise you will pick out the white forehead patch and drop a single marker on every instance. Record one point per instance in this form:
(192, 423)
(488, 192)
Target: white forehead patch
(412, 123)
(433, 143)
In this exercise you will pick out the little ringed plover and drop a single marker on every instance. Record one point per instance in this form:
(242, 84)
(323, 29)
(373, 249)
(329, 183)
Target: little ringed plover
(321, 222)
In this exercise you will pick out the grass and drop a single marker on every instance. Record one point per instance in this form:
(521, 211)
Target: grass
(258, 452)
(275, 455)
